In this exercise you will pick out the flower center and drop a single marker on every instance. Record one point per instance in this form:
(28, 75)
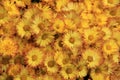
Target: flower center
(97, 70)
(23, 77)
(44, 36)
(68, 70)
(26, 27)
(60, 44)
(34, 58)
(65, 61)
(51, 63)
(57, 27)
(90, 58)
(72, 40)
(80, 68)
(113, 12)
(108, 47)
(90, 37)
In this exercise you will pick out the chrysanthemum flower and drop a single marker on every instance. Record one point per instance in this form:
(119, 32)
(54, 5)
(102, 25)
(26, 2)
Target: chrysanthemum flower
(27, 2)
(115, 57)
(45, 38)
(46, 11)
(24, 75)
(116, 73)
(73, 17)
(8, 46)
(14, 70)
(50, 63)
(110, 46)
(88, 4)
(23, 28)
(110, 3)
(107, 33)
(93, 57)
(82, 69)
(9, 29)
(30, 13)
(116, 35)
(114, 12)
(61, 58)
(37, 24)
(91, 35)
(72, 6)
(58, 44)
(69, 24)
(101, 19)
(3, 15)
(72, 39)
(18, 3)
(108, 67)
(34, 57)
(60, 4)
(11, 8)
(68, 72)
(98, 76)
(58, 25)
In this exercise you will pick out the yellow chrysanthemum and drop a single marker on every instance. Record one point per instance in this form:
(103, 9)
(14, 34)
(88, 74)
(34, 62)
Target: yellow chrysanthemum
(72, 39)
(107, 33)
(61, 58)
(72, 6)
(114, 12)
(8, 47)
(91, 35)
(30, 13)
(108, 67)
(24, 75)
(116, 35)
(60, 4)
(72, 15)
(45, 11)
(110, 3)
(34, 57)
(18, 3)
(58, 44)
(11, 8)
(37, 24)
(84, 23)
(110, 46)
(98, 76)
(93, 57)
(82, 68)
(9, 29)
(27, 2)
(88, 4)
(87, 15)
(114, 57)
(45, 38)
(3, 15)
(23, 28)
(69, 24)
(68, 72)
(58, 25)
(101, 19)
(14, 70)
(97, 6)
(50, 63)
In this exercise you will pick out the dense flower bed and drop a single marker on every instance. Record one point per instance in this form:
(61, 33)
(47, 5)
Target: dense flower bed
(59, 39)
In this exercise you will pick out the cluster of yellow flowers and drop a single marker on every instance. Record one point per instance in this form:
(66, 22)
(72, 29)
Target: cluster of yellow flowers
(60, 40)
